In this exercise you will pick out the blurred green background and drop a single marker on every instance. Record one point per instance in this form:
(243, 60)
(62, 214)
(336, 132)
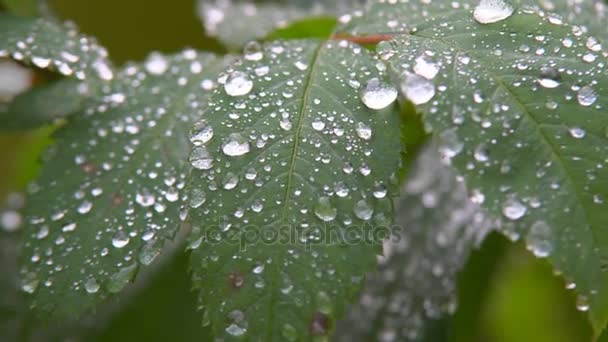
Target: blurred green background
(506, 295)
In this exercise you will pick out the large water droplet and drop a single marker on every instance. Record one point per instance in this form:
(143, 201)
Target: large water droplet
(426, 68)
(200, 158)
(238, 84)
(91, 285)
(539, 239)
(491, 11)
(363, 210)
(253, 51)
(417, 89)
(377, 94)
(586, 96)
(120, 239)
(513, 209)
(324, 210)
(201, 133)
(236, 145)
(363, 131)
(238, 325)
(197, 197)
(577, 132)
(549, 78)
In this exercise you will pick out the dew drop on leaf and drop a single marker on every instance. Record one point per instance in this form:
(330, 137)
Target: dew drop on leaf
(238, 84)
(364, 131)
(577, 132)
(120, 239)
(91, 285)
(513, 209)
(236, 145)
(238, 325)
(253, 51)
(201, 133)
(539, 239)
(586, 96)
(549, 78)
(491, 11)
(363, 210)
(200, 158)
(324, 210)
(417, 89)
(377, 94)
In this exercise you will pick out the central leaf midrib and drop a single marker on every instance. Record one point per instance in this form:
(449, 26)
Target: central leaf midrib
(289, 184)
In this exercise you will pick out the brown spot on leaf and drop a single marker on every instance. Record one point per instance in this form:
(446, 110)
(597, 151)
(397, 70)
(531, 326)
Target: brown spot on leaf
(236, 280)
(88, 167)
(117, 199)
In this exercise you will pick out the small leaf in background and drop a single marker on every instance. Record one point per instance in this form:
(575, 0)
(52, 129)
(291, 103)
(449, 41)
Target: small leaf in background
(291, 188)
(437, 227)
(22, 7)
(237, 22)
(108, 195)
(45, 104)
(520, 108)
(46, 45)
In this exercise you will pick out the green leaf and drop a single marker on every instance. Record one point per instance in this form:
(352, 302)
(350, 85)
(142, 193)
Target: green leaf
(46, 45)
(293, 172)
(591, 15)
(520, 108)
(108, 194)
(319, 27)
(437, 227)
(45, 104)
(22, 7)
(238, 22)
(163, 309)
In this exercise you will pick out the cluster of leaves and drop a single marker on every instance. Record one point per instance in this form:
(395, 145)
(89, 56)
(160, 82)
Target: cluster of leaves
(287, 166)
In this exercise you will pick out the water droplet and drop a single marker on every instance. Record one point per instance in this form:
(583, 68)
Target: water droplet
(363, 210)
(148, 253)
(380, 190)
(230, 181)
(238, 84)
(363, 131)
(539, 239)
(120, 239)
(200, 158)
(417, 89)
(377, 94)
(341, 189)
(324, 210)
(586, 96)
(582, 303)
(426, 68)
(85, 207)
(91, 285)
(29, 283)
(156, 64)
(253, 51)
(577, 132)
(481, 153)
(201, 133)
(236, 145)
(549, 78)
(238, 325)
(318, 125)
(491, 11)
(145, 198)
(513, 209)
(197, 197)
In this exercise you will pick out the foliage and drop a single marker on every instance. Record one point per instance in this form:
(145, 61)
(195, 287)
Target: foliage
(419, 126)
